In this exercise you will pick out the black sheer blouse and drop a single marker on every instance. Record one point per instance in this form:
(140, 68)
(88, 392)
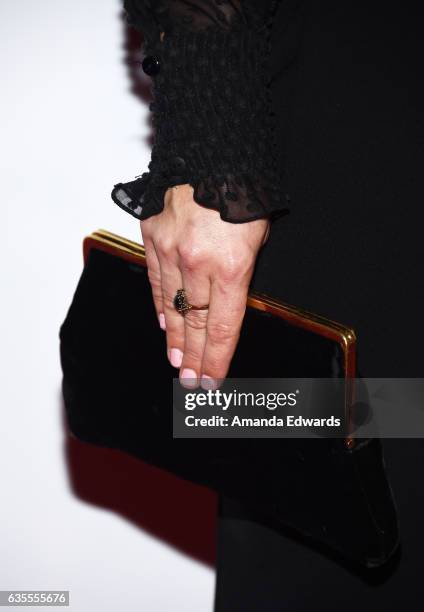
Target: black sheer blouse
(212, 118)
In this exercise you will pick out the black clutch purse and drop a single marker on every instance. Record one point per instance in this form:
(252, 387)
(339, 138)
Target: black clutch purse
(117, 389)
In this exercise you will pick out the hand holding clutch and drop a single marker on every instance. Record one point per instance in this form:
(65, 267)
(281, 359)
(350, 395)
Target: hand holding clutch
(190, 247)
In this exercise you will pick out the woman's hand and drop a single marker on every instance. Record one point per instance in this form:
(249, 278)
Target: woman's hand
(191, 247)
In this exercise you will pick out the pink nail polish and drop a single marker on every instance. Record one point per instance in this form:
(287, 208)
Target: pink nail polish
(162, 322)
(188, 378)
(176, 357)
(207, 382)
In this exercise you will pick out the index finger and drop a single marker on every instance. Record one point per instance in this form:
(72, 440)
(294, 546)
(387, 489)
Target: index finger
(227, 307)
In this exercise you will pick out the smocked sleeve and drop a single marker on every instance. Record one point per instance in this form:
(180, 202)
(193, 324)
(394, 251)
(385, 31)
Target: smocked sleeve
(212, 119)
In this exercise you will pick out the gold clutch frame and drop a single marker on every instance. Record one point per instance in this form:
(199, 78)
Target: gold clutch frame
(343, 335)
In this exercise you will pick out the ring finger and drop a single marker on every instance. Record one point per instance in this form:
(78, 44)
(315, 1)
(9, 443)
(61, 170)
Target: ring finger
(197, 289)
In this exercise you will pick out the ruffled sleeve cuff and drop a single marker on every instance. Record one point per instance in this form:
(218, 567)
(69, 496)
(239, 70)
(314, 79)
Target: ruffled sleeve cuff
(238, 199)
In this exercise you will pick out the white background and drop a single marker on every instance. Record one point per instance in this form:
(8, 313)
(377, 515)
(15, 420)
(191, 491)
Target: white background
(73, 517)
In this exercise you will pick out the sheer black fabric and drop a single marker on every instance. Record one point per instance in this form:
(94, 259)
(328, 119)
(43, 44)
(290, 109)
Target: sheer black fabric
(211, 107)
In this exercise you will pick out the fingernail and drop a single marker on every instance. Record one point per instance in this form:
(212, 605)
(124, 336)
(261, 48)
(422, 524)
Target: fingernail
(162, 321)
(207, 382)
(175, 357)
(188, 378)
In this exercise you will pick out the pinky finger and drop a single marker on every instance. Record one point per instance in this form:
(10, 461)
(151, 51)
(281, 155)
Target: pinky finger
(153, 270)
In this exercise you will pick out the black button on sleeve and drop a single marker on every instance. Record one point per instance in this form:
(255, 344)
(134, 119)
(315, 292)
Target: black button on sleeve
(178, 164)
(151, 65)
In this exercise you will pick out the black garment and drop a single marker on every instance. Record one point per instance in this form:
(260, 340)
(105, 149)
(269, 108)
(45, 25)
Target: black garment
(211, 108)
(348, 97)
(349, 108)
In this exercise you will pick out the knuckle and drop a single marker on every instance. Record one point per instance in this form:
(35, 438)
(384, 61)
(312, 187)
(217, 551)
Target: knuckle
(230, 275)
(157, 298)
(196, 319)
(168, 300)
(215, 366)
(174, 337)
(191, 257)
(234, 269)
(164, 245)
(191, 354)
(221, 332)
(153, 276)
